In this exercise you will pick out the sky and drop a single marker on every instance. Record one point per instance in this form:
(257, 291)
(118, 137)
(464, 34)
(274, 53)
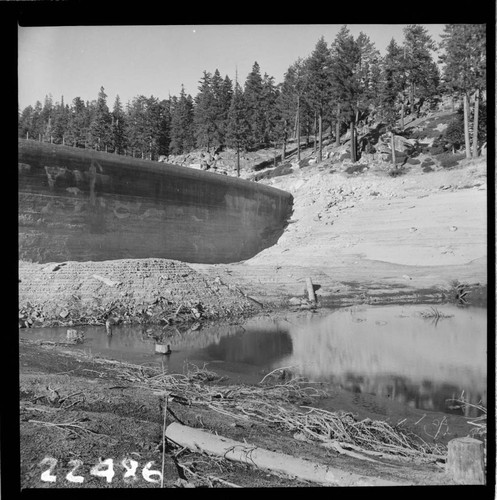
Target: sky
(75, 61)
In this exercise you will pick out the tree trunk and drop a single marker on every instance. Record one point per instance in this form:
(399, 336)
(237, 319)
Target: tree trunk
(475, 125)
(392, 142)
(265, 460)
(298, 139)
(320, 150)
(296, 118)
(466, 126)
(352, 143)
(238, 160)
(298, 132)
(315, 133)
(402, 111)
(337, 138)
(412, 98)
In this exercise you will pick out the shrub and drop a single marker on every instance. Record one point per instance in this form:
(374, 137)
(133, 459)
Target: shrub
(454, 133)
(355, 169)
(436, 150)
(449, 160)
(396, 172)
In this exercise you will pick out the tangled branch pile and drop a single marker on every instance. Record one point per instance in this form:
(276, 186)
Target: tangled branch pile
(276, 404)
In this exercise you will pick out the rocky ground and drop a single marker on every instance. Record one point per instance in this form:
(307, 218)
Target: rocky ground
(364, 233)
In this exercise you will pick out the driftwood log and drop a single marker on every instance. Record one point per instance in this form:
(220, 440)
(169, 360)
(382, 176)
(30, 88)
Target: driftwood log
(199, 440)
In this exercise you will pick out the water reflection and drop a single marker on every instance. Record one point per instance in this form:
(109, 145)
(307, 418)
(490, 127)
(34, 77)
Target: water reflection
(392, 352)
(255, 347)
(396, 353)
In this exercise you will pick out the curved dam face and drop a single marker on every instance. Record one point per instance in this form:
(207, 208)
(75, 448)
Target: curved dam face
(86, 205)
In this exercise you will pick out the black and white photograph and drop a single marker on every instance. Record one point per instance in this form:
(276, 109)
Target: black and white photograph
(254, 255)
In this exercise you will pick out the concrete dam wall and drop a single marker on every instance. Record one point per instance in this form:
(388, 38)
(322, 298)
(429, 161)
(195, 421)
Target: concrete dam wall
(85, 205)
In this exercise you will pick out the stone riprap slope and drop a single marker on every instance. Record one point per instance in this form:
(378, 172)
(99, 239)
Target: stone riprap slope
(156, 291)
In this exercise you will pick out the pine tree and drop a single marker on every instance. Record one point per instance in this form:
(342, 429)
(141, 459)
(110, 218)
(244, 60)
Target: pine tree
(135, 125)
(60, 122)
(144, 123)
(79, 121)
(154, 117)
(118, 140)
(164, 138)
(318, 67)
(464, 71)
(182, 131)
(205, 112)
(219, 109)
(25, 123)
(37, 122)
(253, 92)
(46, 118)
(393, 83)
(224, 103)
(100, 134)
(238, 127)
(346, 84)
(368, 73)
(271, 130)
(421, 71)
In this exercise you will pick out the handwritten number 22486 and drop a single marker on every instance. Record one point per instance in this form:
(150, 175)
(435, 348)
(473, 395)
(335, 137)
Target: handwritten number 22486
(104, 468)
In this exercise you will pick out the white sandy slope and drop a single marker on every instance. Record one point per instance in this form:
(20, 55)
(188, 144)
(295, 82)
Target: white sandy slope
(435, 222)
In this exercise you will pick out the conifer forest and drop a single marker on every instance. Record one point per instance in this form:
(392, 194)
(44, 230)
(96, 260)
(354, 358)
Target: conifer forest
(341, 86)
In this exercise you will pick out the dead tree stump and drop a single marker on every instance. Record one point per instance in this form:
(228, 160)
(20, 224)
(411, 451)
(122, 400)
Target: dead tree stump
(310, 290)
(465, 463)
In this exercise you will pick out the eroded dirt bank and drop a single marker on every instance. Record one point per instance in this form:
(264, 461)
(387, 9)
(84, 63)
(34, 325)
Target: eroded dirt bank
(155, 291)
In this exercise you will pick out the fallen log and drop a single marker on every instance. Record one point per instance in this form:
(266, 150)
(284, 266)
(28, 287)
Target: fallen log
(198, 440)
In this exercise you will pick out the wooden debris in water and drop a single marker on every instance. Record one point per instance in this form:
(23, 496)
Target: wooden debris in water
(434, 313)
